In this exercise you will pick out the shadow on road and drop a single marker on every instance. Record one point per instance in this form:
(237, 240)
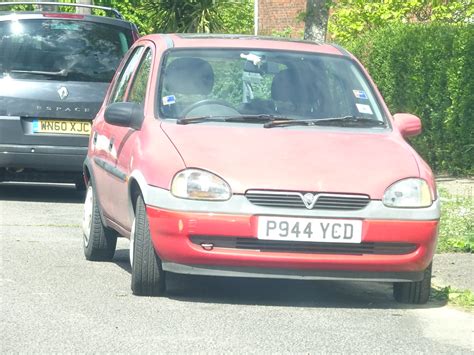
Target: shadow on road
(274, 292)
(40, 192)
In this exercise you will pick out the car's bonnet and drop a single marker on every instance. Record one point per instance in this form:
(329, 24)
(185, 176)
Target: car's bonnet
(300, 159)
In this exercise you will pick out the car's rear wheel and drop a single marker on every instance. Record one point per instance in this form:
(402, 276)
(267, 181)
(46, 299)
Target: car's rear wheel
(99, 241)
(417, 292)
(148, 277)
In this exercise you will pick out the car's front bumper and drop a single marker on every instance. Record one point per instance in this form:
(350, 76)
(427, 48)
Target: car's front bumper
(204, 237)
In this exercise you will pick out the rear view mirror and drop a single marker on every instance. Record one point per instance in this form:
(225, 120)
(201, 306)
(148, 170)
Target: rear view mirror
(409, 125)
(262, 68)
(124, 114)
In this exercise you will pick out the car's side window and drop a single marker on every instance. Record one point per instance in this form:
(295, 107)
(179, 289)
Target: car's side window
(139, 85)
(120, 89)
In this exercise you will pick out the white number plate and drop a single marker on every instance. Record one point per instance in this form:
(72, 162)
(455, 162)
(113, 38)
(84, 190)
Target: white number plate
(310, 229)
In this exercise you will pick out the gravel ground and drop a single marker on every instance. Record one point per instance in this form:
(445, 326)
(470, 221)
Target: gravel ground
(455, 269)
(52, 300)
(454, 186)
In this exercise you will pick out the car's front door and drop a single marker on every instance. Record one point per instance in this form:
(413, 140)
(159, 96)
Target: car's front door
(104, 139)
(125, 138)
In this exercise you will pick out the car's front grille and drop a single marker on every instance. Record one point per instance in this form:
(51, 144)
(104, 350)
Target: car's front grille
(307, 200)
(303, 247)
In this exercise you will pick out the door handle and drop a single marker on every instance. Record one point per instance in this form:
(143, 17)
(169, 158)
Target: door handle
(111, 144)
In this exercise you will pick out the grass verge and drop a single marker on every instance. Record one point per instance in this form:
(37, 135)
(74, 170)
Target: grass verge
(459, 298)
(456, 232)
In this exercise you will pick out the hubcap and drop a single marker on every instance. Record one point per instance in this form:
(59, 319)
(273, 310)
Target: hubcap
(87, 218)
(132, 241)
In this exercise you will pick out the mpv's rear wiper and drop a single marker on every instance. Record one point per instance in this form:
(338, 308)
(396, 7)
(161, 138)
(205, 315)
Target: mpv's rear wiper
(345, 121)
(62, 72)
(264, 118)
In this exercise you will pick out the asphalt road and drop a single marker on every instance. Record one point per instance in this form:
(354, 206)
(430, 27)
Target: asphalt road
(53, 300)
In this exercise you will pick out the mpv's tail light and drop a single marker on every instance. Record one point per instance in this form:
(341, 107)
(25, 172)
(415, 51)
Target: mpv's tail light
(68, 16)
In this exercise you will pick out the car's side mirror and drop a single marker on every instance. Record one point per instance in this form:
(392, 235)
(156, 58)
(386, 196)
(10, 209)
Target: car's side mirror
(124, 114)
(409, 125)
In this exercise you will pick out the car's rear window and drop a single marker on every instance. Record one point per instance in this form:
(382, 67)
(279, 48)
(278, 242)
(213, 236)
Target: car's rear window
(61, 49)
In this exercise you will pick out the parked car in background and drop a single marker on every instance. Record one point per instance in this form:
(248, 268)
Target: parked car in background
(255, 157)
(55, 68)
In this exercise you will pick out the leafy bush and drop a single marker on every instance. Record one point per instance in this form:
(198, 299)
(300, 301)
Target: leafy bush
(427, 70)
(351, 18)
(456, 232)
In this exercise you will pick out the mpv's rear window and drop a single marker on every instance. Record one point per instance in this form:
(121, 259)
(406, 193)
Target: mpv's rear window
(59, 49)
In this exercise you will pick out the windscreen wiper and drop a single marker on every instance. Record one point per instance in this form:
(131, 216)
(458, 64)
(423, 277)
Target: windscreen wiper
(345, 121)
(62, 72)
(264, 118)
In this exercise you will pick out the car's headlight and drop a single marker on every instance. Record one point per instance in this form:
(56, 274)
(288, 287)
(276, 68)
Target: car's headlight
(410, 192)
(199, 184)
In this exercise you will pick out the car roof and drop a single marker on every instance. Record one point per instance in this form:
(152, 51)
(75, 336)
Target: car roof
(118, 20)
(243, 41)
(31, 15)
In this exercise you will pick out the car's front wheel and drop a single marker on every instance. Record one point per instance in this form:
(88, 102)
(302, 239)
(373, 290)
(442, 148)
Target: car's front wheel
(99, 241)
(417, 292)
(148, 277)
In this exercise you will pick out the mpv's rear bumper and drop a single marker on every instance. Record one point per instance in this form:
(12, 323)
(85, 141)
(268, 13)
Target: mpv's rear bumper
(42, 157)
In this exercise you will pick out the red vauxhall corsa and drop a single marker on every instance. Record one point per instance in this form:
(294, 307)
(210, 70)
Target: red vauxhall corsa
(256, 157)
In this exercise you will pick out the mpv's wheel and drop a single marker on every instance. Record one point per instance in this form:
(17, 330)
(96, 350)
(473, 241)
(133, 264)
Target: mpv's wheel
(148, 277)
(80, 184)
(414, 292)
(99, 241)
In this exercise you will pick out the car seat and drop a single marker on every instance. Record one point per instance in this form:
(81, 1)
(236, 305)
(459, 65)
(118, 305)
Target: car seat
(292, 93)
(186, 77)
(189, 76)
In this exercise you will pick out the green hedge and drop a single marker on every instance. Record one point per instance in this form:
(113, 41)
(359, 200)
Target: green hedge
(428, 70)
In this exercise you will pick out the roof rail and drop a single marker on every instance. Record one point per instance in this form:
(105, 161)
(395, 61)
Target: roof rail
(114, 11)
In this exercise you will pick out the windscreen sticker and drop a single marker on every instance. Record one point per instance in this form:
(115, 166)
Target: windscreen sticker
(364, 109)
(169, 100)
(360, 94)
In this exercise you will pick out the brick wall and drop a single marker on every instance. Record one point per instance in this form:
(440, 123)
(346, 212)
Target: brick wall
(278, 15)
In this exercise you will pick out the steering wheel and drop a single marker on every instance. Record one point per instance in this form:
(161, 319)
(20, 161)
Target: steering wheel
(206, 102)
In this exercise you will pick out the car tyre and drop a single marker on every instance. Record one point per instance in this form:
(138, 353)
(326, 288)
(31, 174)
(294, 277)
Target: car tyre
(80, 184)
(148, 276)
(99, 241)
(417, 292)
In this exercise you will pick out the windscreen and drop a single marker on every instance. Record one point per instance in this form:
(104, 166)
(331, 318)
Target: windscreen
(61, 49)
(294, 85)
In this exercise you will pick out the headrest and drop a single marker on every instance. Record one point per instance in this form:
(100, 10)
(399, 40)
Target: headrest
(189, 76)
(289, 87)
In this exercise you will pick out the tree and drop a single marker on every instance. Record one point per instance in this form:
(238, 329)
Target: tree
(237, 16)
(155, 16)
(132, 10)
(351, 18)
(82, 10)
(185, 15)
(316, 20)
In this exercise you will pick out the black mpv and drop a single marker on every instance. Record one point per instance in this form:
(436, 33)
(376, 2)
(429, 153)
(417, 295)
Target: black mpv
(55, 68)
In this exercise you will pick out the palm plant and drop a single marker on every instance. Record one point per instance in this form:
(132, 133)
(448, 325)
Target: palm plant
(202, 16)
